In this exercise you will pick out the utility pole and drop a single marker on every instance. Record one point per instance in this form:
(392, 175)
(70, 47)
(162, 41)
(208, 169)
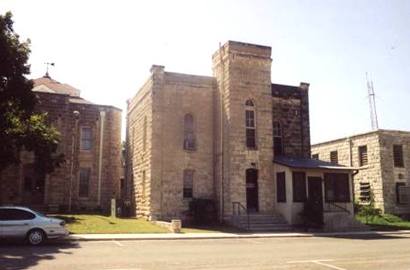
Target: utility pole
(47, 66)
(372, 104)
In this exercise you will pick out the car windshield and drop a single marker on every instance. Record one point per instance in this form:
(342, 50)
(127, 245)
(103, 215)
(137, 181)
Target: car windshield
(39, 213)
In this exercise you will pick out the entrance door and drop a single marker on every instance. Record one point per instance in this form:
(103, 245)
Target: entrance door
(34, 185)
(315, 197)
(252, 198)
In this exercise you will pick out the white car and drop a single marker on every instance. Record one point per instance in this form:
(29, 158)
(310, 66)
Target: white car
(24, 223)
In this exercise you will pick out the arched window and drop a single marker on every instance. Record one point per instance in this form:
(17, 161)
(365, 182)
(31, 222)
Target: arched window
(277, 139)
(189, 134)
(250, 124)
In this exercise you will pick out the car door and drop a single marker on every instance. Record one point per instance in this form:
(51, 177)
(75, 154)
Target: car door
(18, 222)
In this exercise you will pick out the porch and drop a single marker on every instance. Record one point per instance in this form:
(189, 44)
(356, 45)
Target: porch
(309, 190)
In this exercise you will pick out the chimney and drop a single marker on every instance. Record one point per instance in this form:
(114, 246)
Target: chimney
(304, 86)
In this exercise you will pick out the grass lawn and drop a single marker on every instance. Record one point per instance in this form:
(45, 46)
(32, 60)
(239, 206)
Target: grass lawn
(104, 224)
(385, 222)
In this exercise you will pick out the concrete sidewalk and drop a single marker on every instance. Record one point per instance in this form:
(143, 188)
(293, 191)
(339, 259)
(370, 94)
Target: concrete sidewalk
(185, 236)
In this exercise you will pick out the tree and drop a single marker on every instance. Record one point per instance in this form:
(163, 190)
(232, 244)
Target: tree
(21, 128)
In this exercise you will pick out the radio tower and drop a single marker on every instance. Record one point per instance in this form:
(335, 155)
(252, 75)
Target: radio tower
(372, 104)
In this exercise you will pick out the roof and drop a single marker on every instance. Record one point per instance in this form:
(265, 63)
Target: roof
(308, 163)
(48, 85)
(369, 133)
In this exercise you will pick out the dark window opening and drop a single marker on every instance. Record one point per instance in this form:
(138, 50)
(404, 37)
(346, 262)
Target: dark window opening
(281, 187)
(337, 187)
(334, 157)
(363, 159)
(315, 156)
(188, 184)
(401, 193)
(277, 139)
(86, 138)
(250, 138)
(299, 187)
(250, 124)
(84, 185)
(398, 156)
(189, 134)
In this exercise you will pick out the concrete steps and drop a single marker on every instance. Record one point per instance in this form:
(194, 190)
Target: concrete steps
(262, 223)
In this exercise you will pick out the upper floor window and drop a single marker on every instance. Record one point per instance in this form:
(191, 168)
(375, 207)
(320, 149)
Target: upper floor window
(84, 183)
(188, 184)
(250, 124)
(189, 134)
(334, 157)
(277, 139)
(398, 156)
(86, 138)
(363, 160)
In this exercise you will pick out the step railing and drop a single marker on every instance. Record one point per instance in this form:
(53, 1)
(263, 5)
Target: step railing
(332, 207)
(238, 211)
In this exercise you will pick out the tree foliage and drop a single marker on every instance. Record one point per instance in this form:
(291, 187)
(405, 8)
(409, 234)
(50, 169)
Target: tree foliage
(21, 128)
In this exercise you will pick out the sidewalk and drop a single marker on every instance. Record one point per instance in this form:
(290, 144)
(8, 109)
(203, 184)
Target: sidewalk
(185, 236)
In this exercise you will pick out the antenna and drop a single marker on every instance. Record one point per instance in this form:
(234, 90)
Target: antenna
(47, 65)
(372, 104)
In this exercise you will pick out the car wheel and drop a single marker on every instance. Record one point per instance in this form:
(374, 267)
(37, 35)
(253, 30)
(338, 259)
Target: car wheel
(36, 237)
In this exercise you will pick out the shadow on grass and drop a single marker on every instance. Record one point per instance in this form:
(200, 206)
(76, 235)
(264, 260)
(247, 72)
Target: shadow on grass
(68, 219)
(16, 255)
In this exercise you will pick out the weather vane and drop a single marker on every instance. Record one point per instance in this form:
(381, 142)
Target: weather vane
(47, 65)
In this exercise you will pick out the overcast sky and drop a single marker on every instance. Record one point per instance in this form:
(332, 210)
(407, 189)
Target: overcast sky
(106, 48)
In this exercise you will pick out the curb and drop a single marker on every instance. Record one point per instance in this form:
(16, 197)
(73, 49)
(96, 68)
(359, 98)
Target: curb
(195, 236)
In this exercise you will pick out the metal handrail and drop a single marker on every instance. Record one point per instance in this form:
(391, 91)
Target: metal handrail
(237, 209)
(339, 207)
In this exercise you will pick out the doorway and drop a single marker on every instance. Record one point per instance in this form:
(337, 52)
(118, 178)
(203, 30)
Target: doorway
(252, 194)
(34, 186)
(315, 198)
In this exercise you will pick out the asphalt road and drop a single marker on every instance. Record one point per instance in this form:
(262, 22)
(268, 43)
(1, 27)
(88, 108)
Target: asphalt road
(370, 252)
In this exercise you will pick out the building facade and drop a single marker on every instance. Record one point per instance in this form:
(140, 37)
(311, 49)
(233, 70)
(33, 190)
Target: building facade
(383, 159)
(219, 138)
(91, 144)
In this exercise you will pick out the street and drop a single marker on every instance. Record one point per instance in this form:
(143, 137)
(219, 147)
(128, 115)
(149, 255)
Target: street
(342, 253)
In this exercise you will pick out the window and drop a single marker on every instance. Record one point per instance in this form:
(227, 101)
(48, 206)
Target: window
(277, 139)
(86, 138)
(144, 134)
(315, 156)
(401, 193)
(333, 157)
(337, 187)
(189, 135)
(143, 185)
(84, 183)
(15, 214)
(250, 124)
(364, 195)
(188, 184)
(299, 187)
(281, 187)
(398, 156)
(363, 161)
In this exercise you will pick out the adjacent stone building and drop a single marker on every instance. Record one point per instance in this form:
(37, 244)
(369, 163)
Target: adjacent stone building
(383, 159)
(226, 138)
(91, 144)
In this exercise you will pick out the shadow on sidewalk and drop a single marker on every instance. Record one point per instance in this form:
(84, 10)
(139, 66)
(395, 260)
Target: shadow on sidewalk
(17, 255)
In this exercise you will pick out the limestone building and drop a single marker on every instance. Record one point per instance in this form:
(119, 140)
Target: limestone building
(383, 157)
(234, 137)
(90, 142)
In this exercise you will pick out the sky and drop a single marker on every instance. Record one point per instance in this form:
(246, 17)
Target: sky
(106, 48)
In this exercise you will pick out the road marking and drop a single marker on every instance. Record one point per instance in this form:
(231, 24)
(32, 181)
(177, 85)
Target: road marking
(320, 262)
(117, 243)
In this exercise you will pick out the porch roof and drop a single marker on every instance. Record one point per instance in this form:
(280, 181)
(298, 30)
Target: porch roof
(309, 163)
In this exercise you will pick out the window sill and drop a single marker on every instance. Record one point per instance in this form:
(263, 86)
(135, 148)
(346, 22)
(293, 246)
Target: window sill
(190, 150)
(252, 148)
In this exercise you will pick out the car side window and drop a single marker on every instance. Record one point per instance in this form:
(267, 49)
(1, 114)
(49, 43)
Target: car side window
(16, 214)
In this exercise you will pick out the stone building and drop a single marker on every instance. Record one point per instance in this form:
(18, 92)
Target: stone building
(91, 144)
(227, 138)
(383, 157)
